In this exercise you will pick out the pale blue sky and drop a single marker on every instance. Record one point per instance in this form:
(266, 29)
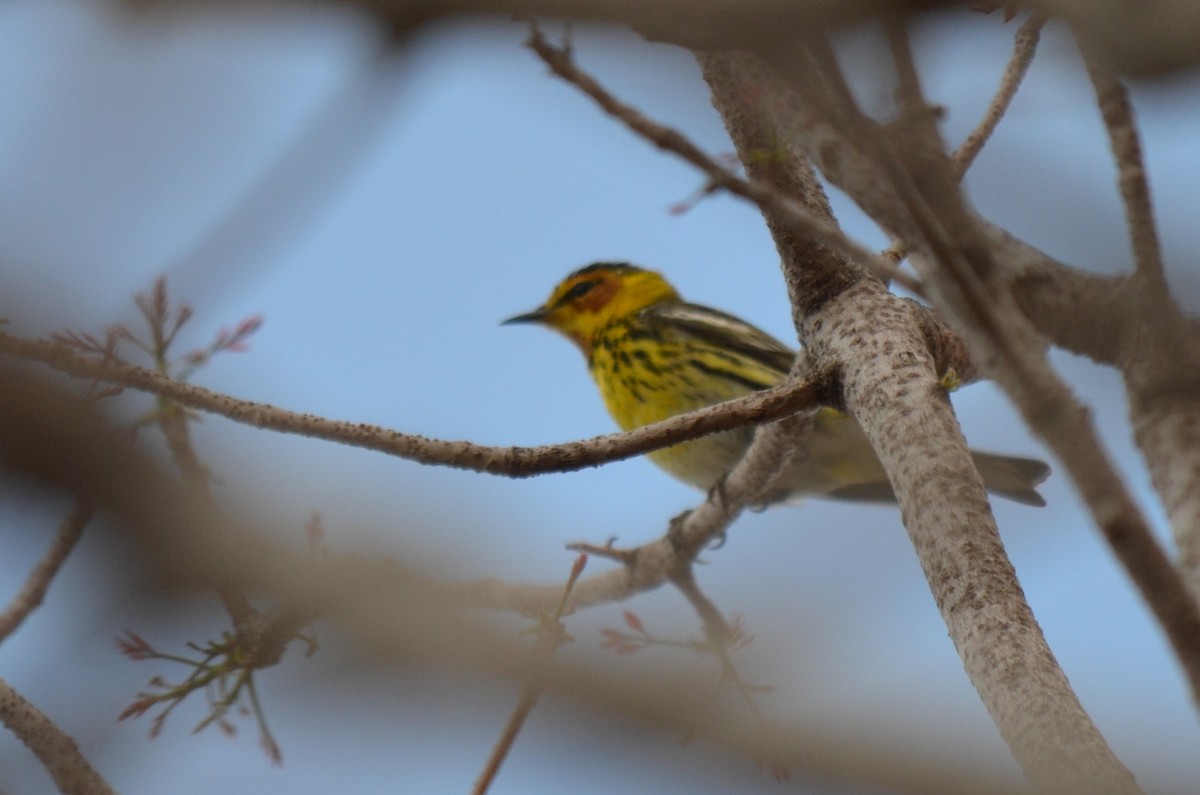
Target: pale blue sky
(452, 187)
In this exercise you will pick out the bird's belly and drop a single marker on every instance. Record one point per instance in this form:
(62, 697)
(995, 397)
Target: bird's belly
(634, 401)
(703, 461)
(835, 454)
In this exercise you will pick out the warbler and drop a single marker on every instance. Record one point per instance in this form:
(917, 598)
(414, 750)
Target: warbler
(653, 356)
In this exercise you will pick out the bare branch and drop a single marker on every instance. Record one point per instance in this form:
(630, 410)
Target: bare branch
(887, 374)
(963, 260)
(656, 560)
(669, 558)
(1085, 313)
(908, 165)
(1117, 112)
(393, 609)
(774, 203)
(815, 274)
(1145, 39)
(1024, 48)
(1130, 322)
(1079, 311)
(1142, 39)
(551, 634)
(1153, 39)
(650, 565)
(510, 461)
(1160, 349)
(53, 747)
(707, 24)
(959, 249)
(34, 590)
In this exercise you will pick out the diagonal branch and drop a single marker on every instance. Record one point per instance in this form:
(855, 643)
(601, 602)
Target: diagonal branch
(800, 219)
(957, 246)
(1160, 352)
(34, 590)
(671, 557)
(53, 747)
(959, 259)
(891, 392)
(551, 633)
(1117, 111)
(1024, 48)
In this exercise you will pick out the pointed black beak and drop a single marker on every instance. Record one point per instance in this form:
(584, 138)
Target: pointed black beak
(536, 316)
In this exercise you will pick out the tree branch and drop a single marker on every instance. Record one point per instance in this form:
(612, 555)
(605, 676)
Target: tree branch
(54, 748)
(1117, 112)
(515, 462)
(1160, 352)
(1024, 48)
(802, 221)
(34, 590)
(666, 559)
(887, 376)
(391, 610)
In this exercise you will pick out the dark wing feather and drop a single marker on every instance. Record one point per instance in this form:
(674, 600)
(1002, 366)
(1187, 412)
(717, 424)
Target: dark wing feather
(724, 331)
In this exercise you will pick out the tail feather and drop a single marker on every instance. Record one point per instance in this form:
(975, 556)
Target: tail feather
(1005, 476)
(1012, 477)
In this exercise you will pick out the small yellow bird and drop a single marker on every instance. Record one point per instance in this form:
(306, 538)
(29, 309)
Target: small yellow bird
(654, 356)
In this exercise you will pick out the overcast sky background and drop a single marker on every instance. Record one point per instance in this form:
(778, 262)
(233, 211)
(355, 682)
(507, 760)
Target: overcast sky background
(440, 188)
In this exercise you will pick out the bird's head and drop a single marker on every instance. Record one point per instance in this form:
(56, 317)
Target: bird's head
(596, 296)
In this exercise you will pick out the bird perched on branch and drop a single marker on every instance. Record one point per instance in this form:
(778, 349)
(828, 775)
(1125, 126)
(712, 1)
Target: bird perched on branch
(653, 355)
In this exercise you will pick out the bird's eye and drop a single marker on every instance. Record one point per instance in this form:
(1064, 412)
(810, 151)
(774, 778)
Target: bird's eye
(578, 291)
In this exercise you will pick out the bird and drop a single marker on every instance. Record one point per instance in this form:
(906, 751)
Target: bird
(654, 355)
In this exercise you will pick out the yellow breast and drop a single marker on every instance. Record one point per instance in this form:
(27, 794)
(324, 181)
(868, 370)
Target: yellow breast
(649, 374)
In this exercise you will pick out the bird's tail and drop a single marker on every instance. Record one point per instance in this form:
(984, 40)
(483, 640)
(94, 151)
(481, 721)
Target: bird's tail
(1012, 477)
(1005, 476)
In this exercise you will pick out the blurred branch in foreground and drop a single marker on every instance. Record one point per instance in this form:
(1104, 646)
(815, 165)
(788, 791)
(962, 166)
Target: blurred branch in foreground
(397, 612)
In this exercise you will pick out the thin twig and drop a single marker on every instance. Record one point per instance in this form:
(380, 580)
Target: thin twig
(516, 462)
(551, 635)
(771, 201)
(163, 321)
(172, 421)
(1117, 112)
(34, 590)
(1024, 48)
(716, 628)
(671, 557)
(722, 638)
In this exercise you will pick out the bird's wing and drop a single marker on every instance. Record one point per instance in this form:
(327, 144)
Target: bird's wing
(724, 331)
